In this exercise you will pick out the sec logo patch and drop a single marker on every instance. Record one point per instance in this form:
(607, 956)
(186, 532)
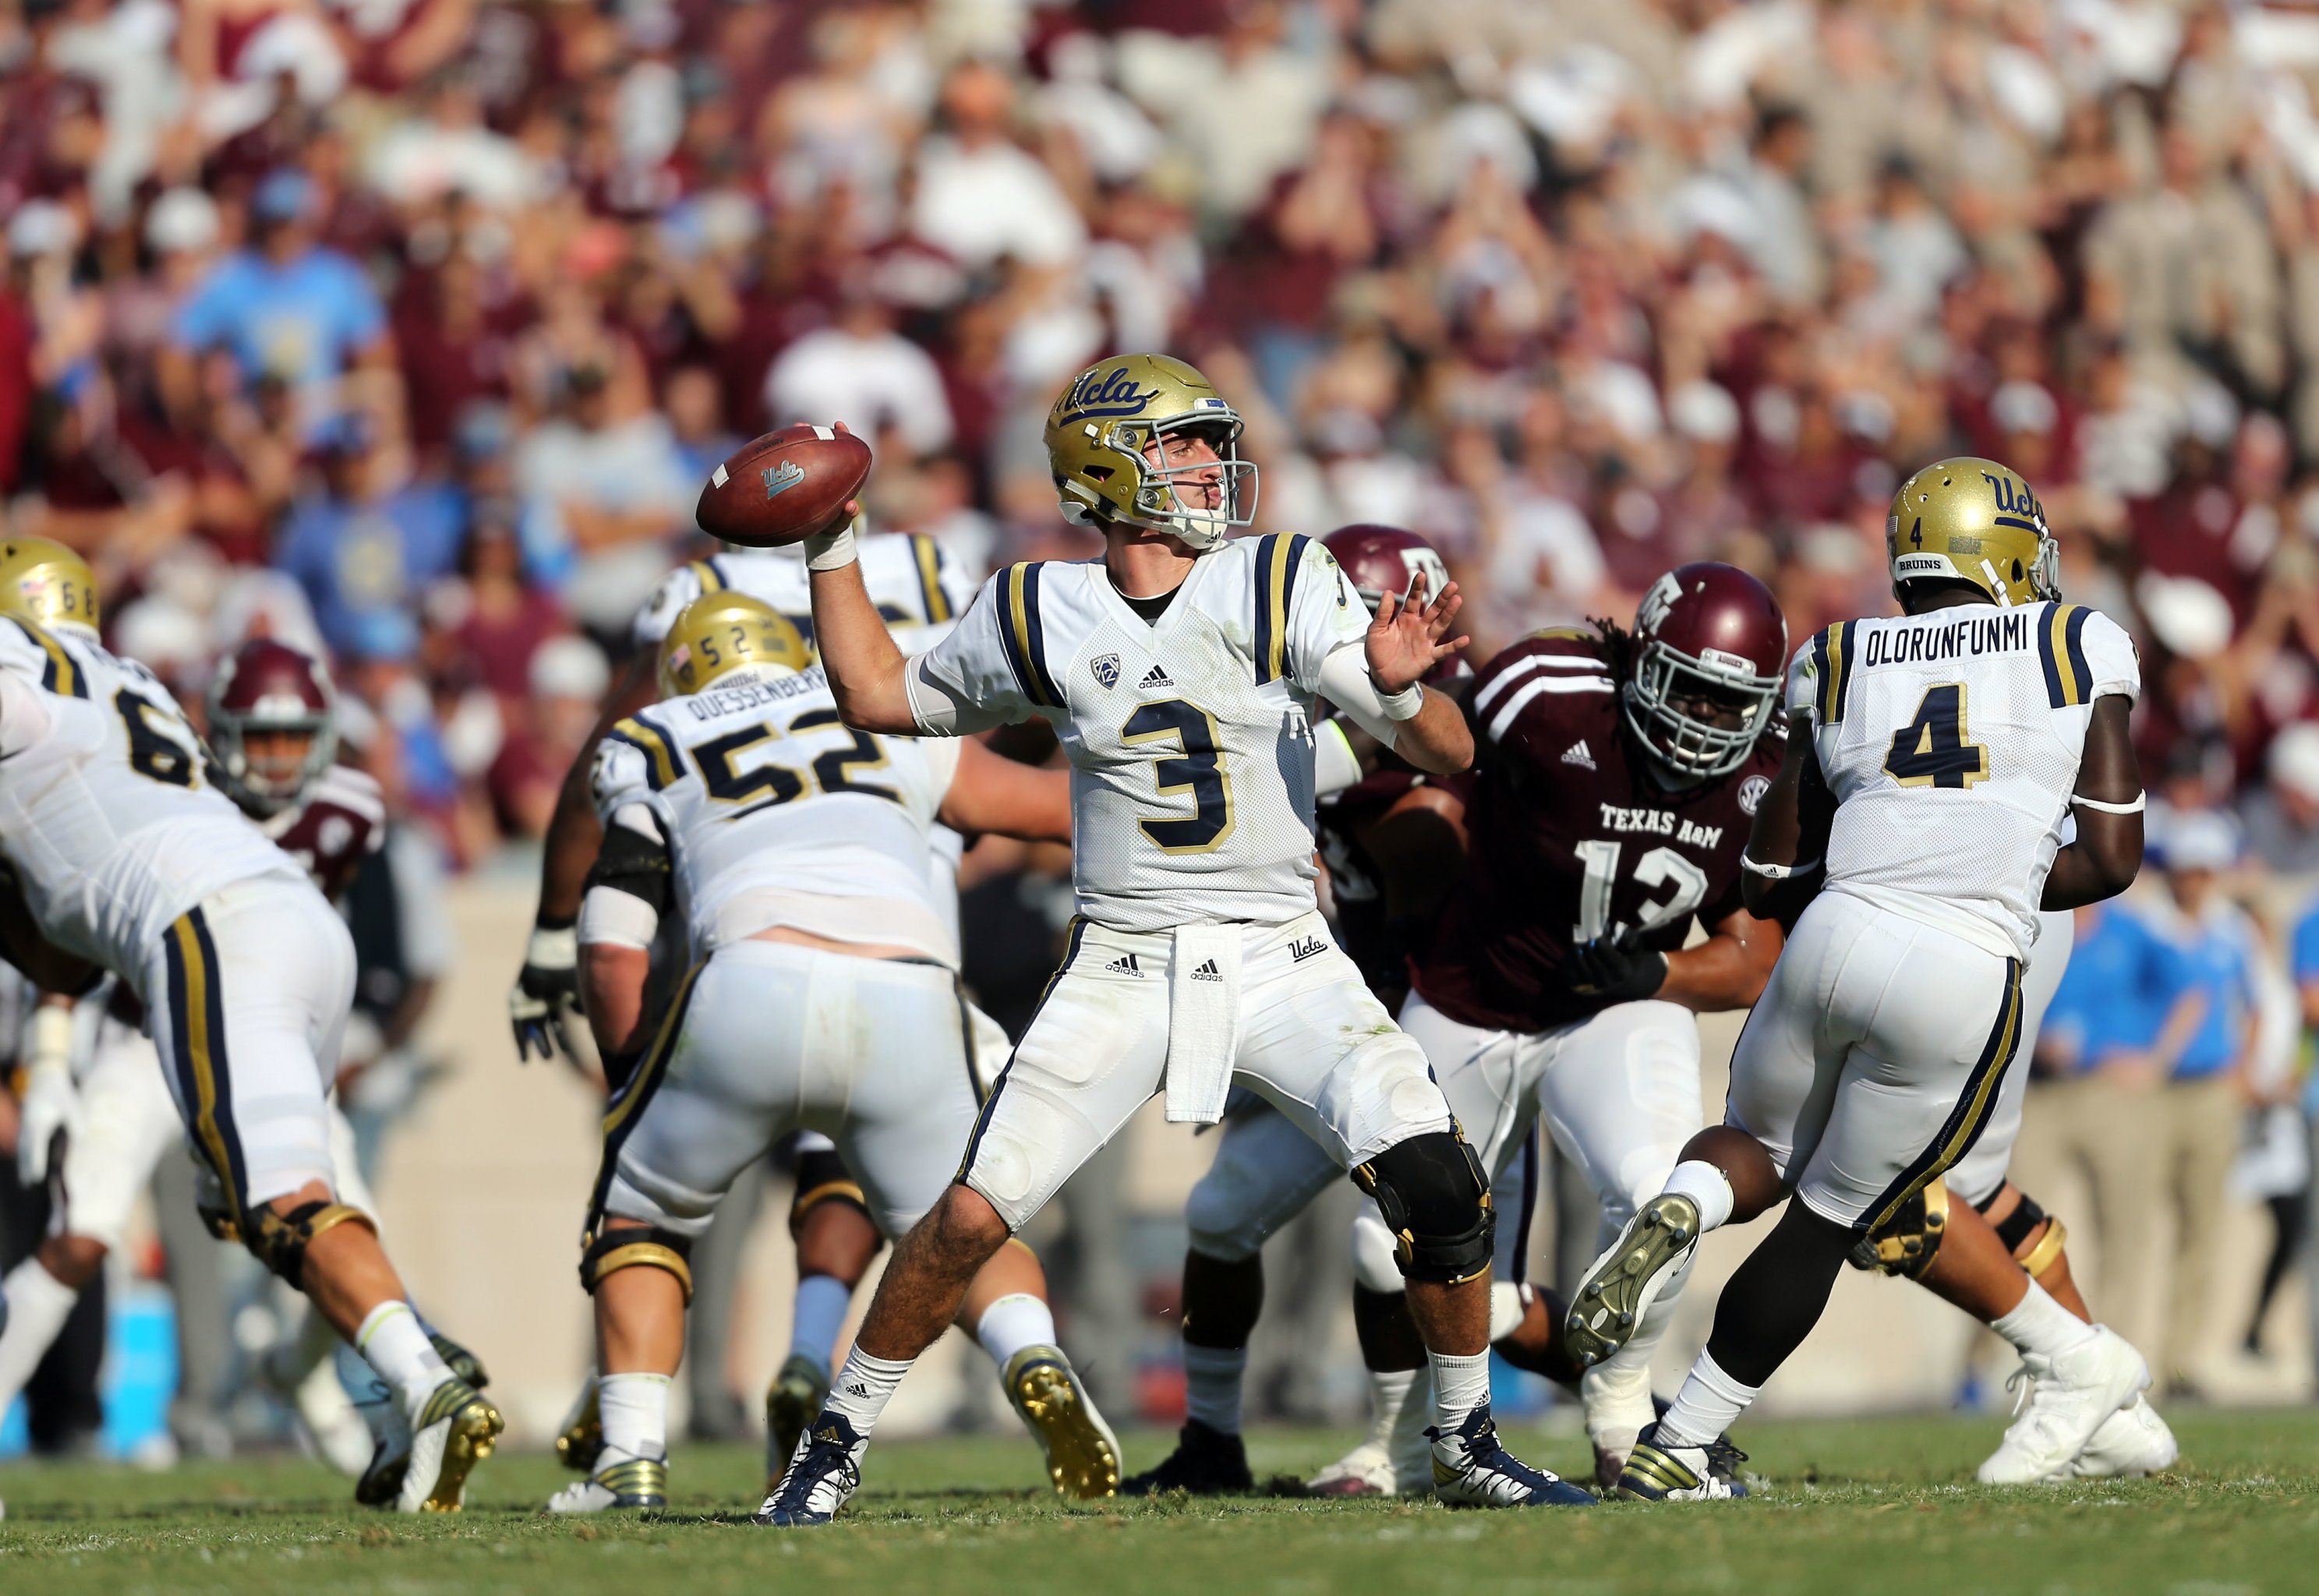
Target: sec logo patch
(1751, 793)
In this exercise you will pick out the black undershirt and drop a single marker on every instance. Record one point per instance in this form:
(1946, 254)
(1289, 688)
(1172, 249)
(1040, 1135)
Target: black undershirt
(1152, 608)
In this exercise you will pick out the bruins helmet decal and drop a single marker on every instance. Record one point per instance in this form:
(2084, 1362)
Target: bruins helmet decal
(48, 584)
(720, 633)
(1973, 521)
(1114, 410)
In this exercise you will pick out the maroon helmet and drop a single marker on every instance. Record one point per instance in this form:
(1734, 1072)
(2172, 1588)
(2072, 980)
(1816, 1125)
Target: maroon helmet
(268, 687)
(1711, 650)
(1381, 560)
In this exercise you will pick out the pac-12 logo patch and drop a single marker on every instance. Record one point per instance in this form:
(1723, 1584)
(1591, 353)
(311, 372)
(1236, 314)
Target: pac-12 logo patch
(1751, 793)
(1105, 667)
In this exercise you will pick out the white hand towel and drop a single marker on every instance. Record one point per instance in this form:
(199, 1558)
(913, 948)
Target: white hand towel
(1203, 1022)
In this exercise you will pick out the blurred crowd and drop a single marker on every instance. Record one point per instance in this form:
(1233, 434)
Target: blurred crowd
(410, 329)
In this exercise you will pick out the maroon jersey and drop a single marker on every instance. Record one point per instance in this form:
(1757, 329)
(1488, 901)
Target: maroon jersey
(1570, 838)
(340, 821)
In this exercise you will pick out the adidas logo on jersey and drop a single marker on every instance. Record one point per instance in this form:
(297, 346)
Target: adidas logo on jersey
(1312, 947)
(1124, 965)
(1577, 754)
(1207, 971)
(1156, 677)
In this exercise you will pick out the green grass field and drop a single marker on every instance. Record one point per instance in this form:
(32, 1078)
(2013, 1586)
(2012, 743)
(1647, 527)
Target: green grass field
(1867, 1505)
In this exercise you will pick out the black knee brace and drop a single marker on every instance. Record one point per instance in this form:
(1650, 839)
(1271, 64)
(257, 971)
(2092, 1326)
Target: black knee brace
(821, 1177)
(280, 1239)
(2016, 1228)
(1436, 1202)
(630, 1247)
(1906, 1245)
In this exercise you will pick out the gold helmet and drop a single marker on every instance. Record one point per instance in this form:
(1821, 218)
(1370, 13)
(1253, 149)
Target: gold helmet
(48, 584)
(1115, 409)
(720, 633)
(1973, 521)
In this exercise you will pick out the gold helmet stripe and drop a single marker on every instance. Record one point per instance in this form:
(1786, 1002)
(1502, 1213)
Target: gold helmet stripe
(646, 739)
(712, 580)
(2062, 650)
(1971, 1113)
(59, 675)
(1024, 636)
(930, 587)
(1276, 559)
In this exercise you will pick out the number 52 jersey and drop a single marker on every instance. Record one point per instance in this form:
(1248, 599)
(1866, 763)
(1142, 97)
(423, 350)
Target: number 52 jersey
(1951, 741)
(1189, 738)
(104, 810)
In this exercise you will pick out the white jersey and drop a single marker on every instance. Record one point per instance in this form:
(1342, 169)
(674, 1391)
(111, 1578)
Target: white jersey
(1951, 741)
(104, 810)
(913, 582)
(777, 814)
(1190, 737)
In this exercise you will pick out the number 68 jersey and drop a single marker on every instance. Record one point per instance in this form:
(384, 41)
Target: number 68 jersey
(1952, 741)
(105, 810)
(1189, 736)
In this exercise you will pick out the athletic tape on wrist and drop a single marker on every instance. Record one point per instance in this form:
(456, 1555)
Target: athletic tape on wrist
(827, 551)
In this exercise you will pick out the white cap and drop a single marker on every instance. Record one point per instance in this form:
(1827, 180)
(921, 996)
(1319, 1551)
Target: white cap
(181, 219)
(2021, 406)
(2186, 615)
(42, 227)
(1704, 413)
(569, 668)
(2199, 840)
(2294, 761)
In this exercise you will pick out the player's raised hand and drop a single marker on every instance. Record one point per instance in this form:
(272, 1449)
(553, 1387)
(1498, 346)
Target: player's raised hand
(1411, 636)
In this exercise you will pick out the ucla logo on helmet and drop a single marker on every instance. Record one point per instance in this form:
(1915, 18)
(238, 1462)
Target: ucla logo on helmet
(1106, 668)
(1113, 392)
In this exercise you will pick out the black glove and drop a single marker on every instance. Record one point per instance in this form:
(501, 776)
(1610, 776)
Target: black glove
(1617, 968)
(547, 993)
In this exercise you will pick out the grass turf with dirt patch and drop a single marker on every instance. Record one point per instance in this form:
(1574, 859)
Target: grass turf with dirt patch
(1883, 1506)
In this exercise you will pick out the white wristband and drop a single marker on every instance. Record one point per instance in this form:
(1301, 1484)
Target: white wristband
(51, 1040)
(1403, 705)
(1776, 872)
(827, 551)
(553, 949)
(2141, 800)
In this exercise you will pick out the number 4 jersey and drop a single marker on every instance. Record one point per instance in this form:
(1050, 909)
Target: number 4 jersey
(777, 814)
(105, 811)
(1189, 736)
(1951, 741)
(1572, 836)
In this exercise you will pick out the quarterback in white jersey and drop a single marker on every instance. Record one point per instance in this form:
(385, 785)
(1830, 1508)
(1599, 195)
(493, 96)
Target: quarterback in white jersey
(128, 859)
(1179, 673)
(823, 994)
(1913, 835)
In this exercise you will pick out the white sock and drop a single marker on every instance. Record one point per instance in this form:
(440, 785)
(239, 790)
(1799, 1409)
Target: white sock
(821, 1301)
(1212, 1382)
(1398, 1412)
(394, 1342)
(1460, 1384)
(38, 1304)
(2040, 1324)
(862, 1388)
(1705, 1186)
(635, 1412)
(1706, 1406)
(1012, 1322)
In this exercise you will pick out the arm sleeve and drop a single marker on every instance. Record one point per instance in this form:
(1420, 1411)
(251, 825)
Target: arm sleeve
(2110, 658)
(970, 680)
(1344, 681)
(1324, 615)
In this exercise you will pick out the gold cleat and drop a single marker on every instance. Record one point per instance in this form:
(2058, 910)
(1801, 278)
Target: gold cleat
(1624, 1282)
(1082, 1453)
(581, 1437)
(793, 1401)
(456, 1430)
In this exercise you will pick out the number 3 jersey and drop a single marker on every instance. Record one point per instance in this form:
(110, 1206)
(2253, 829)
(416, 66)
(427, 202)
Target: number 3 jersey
(1951, 741)
(777, 814)
(1570, 837)
(1189, 736)
(105, 811)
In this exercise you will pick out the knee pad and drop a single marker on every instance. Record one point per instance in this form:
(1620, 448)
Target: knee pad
(609, 1251)
(1436, 1201)
(1375, 1263)
(280, 1240)
(821, 1177)
(2017, 1229)
(1906, 1245)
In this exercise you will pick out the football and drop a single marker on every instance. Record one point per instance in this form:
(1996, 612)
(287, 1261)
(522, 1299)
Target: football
(784, 486)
